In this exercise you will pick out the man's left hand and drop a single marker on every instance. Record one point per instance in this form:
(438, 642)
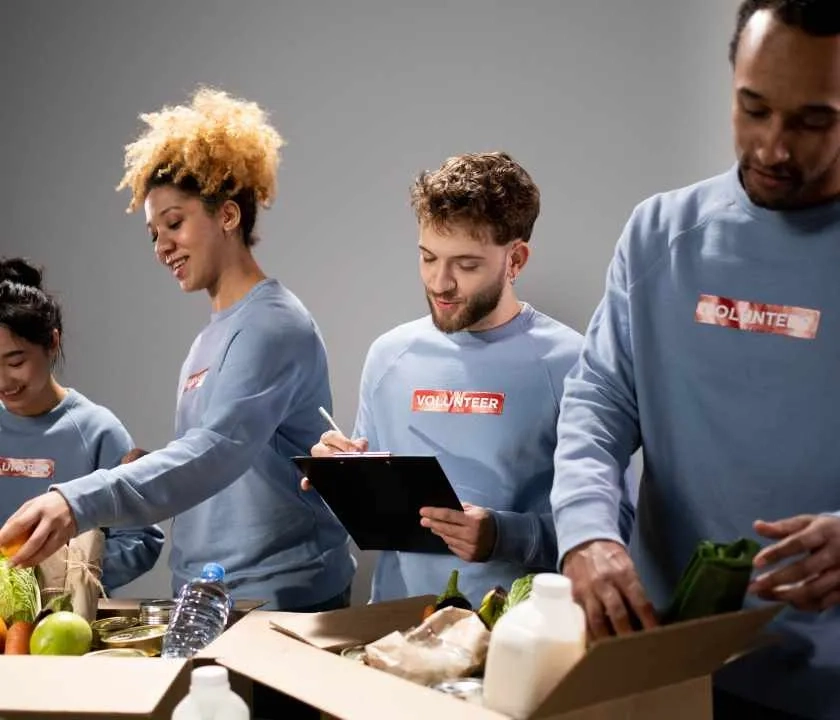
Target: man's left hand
(470, 534)
(811, 582)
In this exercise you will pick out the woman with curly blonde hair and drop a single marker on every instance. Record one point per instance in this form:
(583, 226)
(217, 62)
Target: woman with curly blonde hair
(249, 389)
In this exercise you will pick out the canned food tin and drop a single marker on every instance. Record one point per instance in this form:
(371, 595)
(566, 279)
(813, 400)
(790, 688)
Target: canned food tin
(357, 652)
(469, 689)
(148, 638)
(156, 612)
(106, 626)
(118, 652)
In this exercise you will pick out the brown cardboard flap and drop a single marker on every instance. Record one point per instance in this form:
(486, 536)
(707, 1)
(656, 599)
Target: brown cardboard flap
(339, 629)
(646, 660)
(338, 686)
(689, 700)
(74, 687)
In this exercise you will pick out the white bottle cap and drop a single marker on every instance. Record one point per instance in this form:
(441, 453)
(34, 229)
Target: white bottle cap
(552, 586)
(210, 676)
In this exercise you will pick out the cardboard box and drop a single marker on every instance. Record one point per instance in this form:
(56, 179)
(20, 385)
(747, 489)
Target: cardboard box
(654, 675)
(97, 687)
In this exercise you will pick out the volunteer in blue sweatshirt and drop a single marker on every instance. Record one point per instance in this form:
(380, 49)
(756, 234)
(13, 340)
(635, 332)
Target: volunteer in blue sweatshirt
(477, 383)
(716, 347)
(49, 433)
(249, 389)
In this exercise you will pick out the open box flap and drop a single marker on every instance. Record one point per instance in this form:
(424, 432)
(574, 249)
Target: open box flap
(642, 661)
(355, 625)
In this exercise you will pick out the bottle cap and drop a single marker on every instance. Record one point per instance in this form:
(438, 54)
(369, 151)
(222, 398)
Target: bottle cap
(552, 586)
(213, 571)
(210, 676)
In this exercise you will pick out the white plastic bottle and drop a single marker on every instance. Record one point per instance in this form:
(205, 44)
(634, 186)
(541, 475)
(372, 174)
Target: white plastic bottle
(210, 697)
(532, 646)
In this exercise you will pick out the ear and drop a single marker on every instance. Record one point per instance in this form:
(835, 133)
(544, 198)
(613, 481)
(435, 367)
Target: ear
(55, 346)
(230, 215)
(518, 258)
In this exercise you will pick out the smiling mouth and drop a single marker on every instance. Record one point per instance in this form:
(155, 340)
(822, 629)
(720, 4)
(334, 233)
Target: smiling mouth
(11, 395)
(176, 267)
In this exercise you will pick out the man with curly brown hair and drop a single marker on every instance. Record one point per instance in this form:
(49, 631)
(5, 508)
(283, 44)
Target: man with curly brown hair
(477, 383)
(249, 390)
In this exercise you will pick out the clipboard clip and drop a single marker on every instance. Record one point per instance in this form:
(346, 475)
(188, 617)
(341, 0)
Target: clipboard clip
(362, 454)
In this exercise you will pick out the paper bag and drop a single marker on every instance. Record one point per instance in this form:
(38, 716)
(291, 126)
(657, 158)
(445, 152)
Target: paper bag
(75, 570)
(451, 643)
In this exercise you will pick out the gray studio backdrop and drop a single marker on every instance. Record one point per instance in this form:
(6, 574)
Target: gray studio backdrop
(604, 101)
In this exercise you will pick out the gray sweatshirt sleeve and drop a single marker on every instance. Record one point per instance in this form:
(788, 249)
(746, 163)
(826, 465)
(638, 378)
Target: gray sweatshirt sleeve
(263, 371)
(129, 552)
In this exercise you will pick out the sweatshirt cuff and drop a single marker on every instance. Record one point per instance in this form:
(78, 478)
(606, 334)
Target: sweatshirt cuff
(89, 499)
(580, 522)
(517, 535)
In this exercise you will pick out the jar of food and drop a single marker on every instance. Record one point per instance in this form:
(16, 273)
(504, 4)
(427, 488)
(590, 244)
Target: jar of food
(156, 612)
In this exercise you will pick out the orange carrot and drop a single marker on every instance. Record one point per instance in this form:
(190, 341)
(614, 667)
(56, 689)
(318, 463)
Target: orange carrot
(2, 634)
(17, 638)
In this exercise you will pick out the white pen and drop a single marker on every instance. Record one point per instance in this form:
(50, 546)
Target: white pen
(329, 419)
(334, 426)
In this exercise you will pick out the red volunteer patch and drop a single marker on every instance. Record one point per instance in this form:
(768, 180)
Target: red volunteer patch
(458, 401)
(27, 468)
(195, 381)
(797, 322)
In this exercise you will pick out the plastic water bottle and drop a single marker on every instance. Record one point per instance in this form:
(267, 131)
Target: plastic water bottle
(200, 614)
(210, 697)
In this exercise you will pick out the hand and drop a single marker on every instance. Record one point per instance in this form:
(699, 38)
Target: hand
(48, 523)
(810, 583)
(132, 455)
(470, 534)
(605, 585)
(330, 443)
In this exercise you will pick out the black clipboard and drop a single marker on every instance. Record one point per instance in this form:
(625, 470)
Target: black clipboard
(377, 497)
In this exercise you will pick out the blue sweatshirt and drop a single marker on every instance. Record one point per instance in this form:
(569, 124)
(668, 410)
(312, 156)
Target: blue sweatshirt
(247, 401)
(74, 438)
(716, 347)
(486, 404)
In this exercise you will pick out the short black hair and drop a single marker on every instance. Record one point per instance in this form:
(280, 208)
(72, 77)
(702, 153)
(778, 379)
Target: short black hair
(820, 18)
(26, 309)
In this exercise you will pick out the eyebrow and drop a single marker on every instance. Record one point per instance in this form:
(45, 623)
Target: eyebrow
(163, 212)
(12, 354)
(457, 257)
(814, 107)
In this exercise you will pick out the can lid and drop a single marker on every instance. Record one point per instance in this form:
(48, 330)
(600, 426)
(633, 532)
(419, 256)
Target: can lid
(141, 632)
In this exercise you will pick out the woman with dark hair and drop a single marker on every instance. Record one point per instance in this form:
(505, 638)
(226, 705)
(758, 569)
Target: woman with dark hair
(50, 433)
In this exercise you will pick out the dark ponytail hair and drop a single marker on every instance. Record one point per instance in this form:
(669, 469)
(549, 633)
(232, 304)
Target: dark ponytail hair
(25, 309)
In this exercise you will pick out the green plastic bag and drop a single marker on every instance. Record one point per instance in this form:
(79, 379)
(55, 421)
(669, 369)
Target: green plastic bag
(714, 581)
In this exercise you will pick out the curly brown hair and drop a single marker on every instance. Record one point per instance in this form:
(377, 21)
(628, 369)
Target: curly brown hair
(480, 192)
(217, 147)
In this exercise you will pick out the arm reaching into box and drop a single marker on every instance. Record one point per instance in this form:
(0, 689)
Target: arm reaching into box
(597, 433)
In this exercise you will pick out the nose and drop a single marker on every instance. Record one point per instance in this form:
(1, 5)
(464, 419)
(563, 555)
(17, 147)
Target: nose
(773, 146)
(441, 280)
(164, 247)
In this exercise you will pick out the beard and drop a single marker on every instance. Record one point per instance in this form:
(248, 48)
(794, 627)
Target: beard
(468, 312)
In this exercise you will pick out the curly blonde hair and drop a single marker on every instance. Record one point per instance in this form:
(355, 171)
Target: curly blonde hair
(480, 191)
(218, 147)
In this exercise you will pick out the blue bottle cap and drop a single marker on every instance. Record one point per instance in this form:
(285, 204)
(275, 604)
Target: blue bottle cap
(213, 571)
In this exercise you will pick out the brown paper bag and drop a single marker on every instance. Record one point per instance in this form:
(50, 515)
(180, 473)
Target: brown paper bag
(450, 643)
(75, 570)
